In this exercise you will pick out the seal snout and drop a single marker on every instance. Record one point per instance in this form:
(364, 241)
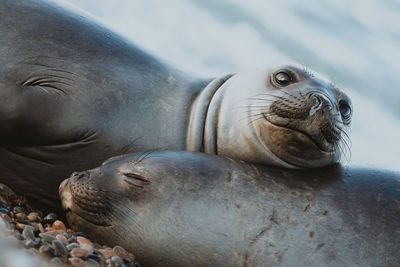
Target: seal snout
(65, 195)
(321, 102)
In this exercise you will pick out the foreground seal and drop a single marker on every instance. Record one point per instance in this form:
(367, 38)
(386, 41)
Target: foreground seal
(74, 94)
(192, 209)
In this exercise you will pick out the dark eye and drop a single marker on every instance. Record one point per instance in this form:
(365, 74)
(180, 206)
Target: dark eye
(283, 78)
(345, 109)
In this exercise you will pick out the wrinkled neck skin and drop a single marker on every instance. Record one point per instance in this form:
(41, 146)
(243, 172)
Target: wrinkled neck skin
(221, 123)
(200, 111)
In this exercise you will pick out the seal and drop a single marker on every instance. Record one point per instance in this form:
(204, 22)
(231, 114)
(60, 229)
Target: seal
(75, 93)
(287, 117)
(193, 209)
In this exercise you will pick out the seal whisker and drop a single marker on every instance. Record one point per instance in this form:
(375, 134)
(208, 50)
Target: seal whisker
(251, 117)
(345, 140)
(254, 120)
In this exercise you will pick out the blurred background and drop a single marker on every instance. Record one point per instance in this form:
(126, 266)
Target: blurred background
(355, 43)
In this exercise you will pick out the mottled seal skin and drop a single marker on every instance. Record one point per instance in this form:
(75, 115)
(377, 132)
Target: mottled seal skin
(74, 94)
(192, 209)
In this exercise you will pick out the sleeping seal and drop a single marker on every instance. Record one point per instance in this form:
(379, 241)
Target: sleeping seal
(193, 209)
(74, 94)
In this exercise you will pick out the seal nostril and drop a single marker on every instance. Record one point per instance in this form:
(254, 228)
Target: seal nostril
(317, 104)
(79, 175)
(320, 102)
(74, 174)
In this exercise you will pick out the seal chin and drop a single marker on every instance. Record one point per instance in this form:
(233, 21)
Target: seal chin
(76, 220)
(296, 147)
(317, 140)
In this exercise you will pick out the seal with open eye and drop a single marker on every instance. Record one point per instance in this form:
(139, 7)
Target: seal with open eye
(284, 116)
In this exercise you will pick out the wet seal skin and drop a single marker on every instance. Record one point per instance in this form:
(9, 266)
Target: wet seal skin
(74, 94)
(193, 209)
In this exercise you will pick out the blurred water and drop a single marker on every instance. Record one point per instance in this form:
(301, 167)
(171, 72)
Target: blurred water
(355, 43)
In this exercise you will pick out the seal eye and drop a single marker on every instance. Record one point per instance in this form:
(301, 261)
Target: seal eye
(345, 110)
(283, 78)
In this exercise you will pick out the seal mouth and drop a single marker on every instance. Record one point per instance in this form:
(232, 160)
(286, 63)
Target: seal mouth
(317, 141)
(76, 217)
(80, 205)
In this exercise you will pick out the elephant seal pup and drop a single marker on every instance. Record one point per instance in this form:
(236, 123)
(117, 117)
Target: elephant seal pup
(74, 94)
(193, 209)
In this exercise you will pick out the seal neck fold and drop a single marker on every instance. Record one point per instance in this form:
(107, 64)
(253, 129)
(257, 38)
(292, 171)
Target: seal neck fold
(198, 114)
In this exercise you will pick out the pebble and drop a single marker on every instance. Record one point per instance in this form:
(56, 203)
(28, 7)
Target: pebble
(56, 260)
(56, 232)
(28, 232)
(71, 246)
(60, 249)
(92, 263)
(33, 216)
(120, 252)
(108, 253)
(117, 261)
(29, 243)
(75, 261)
(59, 225)
(83, 240)
(20, 216)
(48, 237)
(20, 226)
(47, 250)
(3, 210)
(62, 238)
(87, 247)
(72, 239)
(79, 253)
(39, 227)
(18, 209)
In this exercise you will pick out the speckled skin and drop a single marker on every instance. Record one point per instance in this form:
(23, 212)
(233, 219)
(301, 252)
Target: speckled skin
(193, 209)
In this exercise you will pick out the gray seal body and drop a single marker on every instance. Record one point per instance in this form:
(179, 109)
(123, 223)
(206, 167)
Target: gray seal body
(74, 94)
(193, 209)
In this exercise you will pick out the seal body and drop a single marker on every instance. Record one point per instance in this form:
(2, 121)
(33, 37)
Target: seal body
(193, 209)
(74, 94)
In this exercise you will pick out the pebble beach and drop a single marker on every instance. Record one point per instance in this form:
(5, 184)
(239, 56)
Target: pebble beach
(43, 238)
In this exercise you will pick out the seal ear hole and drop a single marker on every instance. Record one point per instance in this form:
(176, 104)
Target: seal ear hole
(283, 78)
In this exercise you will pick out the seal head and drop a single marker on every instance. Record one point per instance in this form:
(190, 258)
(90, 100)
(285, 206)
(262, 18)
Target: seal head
(287, 117)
